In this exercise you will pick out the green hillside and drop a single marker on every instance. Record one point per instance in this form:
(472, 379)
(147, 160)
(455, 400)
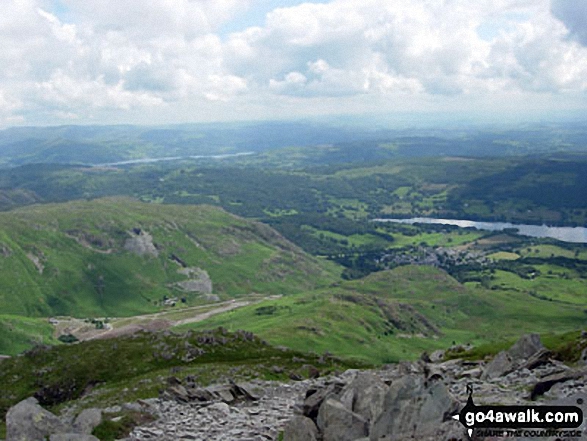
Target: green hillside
(397, 314)
(120, 257)
(128, 368)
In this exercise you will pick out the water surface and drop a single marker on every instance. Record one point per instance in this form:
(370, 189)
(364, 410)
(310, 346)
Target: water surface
(565, 234)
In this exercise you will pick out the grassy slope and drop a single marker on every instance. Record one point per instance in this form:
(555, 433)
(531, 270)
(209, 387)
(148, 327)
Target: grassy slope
(128, 368)
(364, 318)
(87, 272)
(19, 333)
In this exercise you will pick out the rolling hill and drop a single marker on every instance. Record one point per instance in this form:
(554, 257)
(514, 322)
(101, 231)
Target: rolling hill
(396, 315)
(120, 257)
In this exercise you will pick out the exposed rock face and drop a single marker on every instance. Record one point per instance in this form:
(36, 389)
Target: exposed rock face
(414, 408)
(87, 420)
(300, 428)
(141, 243)
(337, 423)
(190, 392)
(526, 346)
(501, 364)
(27, 421)
(365, 395)
(199, 281)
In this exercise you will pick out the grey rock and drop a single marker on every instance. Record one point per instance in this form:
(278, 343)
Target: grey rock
(583, 357)
(437, 356)
(537, 359)
(28, 421)
(223, 392)
(525, 347)
(365, 396)
(141, 244)
(472, 373)
(72, 437)
(199, 281)
(300, 428)
(340, 424)
(547, 382)
(133, 407)
(502, 364)
(315, 398)
(221, 408)
(87, 420)
(414, 407)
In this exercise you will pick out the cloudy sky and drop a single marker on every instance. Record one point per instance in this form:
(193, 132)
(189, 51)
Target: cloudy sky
(165, 61)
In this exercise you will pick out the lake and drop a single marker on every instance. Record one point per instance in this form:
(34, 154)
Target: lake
(565, 234)
(172, 158)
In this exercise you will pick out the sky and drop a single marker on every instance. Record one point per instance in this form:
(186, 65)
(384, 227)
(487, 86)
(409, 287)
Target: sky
(177, 61)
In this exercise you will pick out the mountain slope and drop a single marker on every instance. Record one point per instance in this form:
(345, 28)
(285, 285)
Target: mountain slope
(398, 314)
(116, 257)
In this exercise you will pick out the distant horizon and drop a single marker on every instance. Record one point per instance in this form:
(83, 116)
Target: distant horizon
(195, 61)
(402, 121)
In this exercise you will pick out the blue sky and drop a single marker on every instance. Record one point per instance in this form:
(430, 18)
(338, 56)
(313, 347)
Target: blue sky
(255, 14)
(175, 61)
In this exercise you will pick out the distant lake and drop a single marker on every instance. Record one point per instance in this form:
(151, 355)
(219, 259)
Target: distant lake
(565, 234)
(173, 158)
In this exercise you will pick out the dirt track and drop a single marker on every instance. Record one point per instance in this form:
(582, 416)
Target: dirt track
(148, 322)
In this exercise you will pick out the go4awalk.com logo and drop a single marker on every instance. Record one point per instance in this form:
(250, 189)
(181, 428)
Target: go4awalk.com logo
(526, 421)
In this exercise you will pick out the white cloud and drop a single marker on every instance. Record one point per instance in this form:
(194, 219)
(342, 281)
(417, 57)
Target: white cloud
(158, 56)
(574, 15)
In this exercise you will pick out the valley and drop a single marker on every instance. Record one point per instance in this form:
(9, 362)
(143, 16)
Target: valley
(283, 245)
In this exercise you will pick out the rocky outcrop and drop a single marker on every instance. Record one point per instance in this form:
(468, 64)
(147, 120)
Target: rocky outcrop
(338, 423)
(28, 421)
(528, 350)
(415, 408)
(199, 281)
(191, 392)
(87, 420)
(412, 401)
(367, 408)
(141, 243)
(399, 402)
(526, 346)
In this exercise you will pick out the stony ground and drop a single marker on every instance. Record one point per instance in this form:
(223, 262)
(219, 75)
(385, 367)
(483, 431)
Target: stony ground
(400, 402)
(264, 419)
(259, 420)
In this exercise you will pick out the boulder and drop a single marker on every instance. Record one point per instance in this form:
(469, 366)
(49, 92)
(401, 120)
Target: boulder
(337, 423)
(502, 364)
(365, 396)
(437, 356)
(87, 420)
(300, 428)
(525, 347)
(547, 382)
(414, 408)
(315, 398)
(583, 357)
(537, 359)
(27, 421)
